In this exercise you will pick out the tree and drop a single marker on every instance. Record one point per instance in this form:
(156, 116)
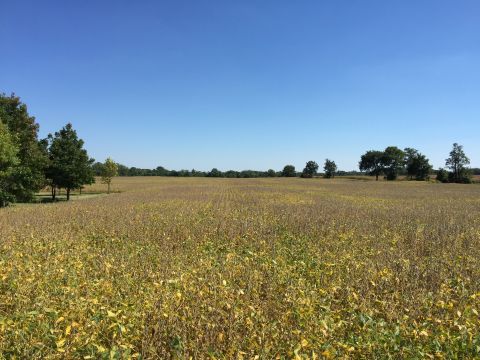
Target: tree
(70, 166)
(392, 161)
(442, 175)
(109, 171)
(28, 176)
(97, 168)
(310, 169)
(372, 163)
(289, 171)
(417, 164)
(231, 174)
(271, 173)
(457, 163)
(410, 156)
(122, 170)
(161, 171)
(8, 160)
(215, 173)
(330, 168)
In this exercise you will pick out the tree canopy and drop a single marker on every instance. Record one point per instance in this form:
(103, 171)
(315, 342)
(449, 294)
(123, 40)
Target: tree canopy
(372, 163)
(329, 169)
(70, 166)
(8, 149)
(109, 171)
(457, 162)
(271, 173)
(8, 161)
(392, 162)
(310, 169)
(417, 165)
(289, 171)
(28, 176)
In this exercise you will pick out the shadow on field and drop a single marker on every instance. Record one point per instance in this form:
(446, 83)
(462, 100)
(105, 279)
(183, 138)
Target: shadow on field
(44, 198)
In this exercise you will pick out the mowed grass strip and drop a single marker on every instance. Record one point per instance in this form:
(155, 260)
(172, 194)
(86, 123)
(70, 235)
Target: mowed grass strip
(244, 268)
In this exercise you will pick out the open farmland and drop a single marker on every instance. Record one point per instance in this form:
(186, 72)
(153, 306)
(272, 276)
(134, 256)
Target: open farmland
(238, 268)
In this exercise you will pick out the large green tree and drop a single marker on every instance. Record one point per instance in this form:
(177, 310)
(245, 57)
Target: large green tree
(28, 176)
(457, 162)
(310, 169)
(8, 161)
(417, 165)
(372, 163)
(289, 171)
(329, 169)
(393, 160)
(70, 166)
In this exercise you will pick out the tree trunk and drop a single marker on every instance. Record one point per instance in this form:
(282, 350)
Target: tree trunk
(376, 177)
(54, 192)
(68, 194)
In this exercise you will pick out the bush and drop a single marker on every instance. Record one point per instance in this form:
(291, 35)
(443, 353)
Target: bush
(5, 198)
(464, 177)
(442, 175)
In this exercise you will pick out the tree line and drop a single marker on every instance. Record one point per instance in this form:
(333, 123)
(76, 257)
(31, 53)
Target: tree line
(29, 164)
(161, 171)
(389, 163)
(330, 170)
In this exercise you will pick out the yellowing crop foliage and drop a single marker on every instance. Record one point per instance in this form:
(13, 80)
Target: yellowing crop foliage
(244, 268)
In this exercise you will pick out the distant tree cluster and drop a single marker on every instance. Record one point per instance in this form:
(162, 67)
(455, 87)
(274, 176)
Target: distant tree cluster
(311, 169)
(393, 161)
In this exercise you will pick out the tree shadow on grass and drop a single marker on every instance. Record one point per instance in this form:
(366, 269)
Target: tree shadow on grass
(47, 198)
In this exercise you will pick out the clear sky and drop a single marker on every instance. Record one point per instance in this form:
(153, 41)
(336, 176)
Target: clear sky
(248, 84)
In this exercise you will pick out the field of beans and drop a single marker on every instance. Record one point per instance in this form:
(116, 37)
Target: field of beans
(204, 268)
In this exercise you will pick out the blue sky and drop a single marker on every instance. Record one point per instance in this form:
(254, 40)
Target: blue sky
(248, 84)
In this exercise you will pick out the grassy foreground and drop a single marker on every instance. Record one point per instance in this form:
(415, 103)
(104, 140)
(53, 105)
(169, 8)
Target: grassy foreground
(244, 268)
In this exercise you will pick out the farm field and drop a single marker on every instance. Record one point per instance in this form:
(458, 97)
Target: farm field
(244, 268)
